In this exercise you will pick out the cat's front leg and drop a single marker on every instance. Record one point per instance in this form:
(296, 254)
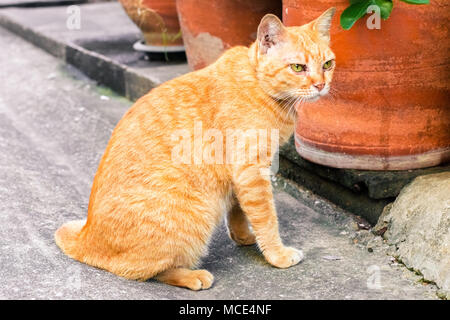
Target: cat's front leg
(254, 192)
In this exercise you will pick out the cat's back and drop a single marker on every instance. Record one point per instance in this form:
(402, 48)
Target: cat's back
(231, 71)
(197, 95)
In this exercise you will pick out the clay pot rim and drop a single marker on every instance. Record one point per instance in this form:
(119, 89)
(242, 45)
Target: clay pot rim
(371, 162)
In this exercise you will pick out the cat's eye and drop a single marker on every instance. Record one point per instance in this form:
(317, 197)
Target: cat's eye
(298, 67)
(327, 65)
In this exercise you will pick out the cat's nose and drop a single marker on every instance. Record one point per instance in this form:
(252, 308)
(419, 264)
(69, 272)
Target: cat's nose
(319, 86)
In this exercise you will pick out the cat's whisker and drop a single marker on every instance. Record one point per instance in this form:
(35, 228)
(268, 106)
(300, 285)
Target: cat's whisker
(291, 106)
(285, 99)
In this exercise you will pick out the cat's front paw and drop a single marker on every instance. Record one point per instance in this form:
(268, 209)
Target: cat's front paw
(283, 257)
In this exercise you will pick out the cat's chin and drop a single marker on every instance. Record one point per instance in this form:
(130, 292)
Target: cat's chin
(312, 99)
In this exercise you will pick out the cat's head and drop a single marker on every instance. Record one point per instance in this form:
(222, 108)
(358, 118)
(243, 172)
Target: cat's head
(295, 62)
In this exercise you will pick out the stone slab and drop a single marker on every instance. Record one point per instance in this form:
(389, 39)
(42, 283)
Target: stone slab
(376, 184)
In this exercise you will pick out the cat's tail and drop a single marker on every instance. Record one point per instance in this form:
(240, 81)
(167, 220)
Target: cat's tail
(66, 237)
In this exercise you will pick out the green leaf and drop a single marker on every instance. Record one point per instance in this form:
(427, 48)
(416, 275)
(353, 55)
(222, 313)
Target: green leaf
(416, 1)
(385, 8)
(354, 12)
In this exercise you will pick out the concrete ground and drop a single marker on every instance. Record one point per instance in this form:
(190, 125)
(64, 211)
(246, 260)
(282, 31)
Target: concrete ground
(54, 126)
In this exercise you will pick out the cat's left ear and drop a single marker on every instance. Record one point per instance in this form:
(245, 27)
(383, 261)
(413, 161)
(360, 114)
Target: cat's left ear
(271, 32)
(322, 24)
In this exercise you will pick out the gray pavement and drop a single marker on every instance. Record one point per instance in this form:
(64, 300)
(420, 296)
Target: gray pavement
(54, 126)
(95, 21)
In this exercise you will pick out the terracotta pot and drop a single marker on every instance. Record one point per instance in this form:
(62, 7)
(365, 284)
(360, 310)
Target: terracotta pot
(391, 106)
(211, 27)
(157, 19)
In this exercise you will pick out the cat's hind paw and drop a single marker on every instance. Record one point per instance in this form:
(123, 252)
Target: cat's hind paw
(246, 239)
(191, 279)
(199, 279)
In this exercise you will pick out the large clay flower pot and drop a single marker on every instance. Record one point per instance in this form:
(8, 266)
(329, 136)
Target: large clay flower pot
(391, 106)
(212, 26)
(157, 19)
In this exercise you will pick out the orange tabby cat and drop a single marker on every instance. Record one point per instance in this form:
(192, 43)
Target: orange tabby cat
(152, 216)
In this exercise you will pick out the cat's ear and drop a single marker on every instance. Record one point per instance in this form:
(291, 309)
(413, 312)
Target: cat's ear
(322, 24)
(271, 32)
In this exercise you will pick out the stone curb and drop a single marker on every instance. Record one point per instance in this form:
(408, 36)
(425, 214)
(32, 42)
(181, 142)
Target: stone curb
(121, 78)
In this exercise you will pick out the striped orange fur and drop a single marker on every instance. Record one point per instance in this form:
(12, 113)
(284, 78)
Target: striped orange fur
(150, 216)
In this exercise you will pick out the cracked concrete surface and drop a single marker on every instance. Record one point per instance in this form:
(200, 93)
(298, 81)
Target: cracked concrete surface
(54, 126)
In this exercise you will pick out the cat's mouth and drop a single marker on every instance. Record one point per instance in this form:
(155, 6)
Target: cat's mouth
(316, 96)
